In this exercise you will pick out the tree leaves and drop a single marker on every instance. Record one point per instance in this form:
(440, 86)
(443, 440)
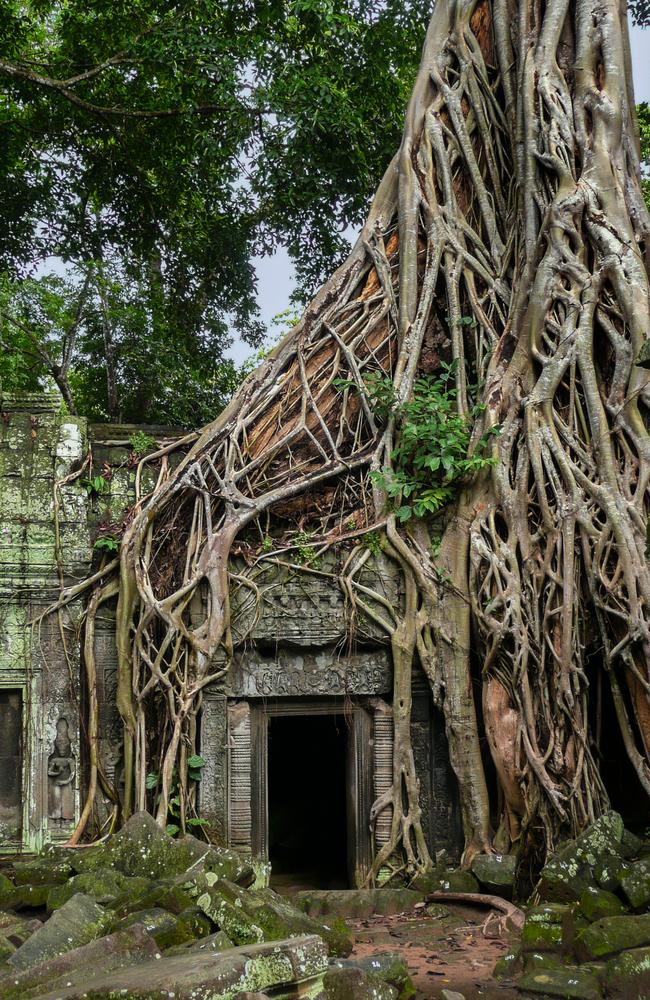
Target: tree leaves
(162, 148)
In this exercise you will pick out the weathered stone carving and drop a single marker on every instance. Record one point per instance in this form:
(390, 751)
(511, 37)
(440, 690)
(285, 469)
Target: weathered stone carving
(61, 771)
(292, 674)
(239, 739)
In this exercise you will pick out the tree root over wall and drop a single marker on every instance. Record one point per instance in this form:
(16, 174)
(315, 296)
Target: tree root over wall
(508, 235)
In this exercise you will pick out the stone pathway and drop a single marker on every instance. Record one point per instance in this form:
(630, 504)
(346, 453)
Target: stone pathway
(442, 953)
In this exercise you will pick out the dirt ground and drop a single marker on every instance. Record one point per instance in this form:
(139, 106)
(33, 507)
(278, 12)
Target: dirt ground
(449, 952)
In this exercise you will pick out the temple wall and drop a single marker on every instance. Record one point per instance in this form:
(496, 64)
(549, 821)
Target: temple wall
(292, 654)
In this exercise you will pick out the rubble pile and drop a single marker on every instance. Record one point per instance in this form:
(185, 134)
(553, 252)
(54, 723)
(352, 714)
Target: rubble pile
(146, 915)
(587, 934)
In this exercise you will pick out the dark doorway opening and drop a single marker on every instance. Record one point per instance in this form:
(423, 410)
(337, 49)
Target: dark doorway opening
(625, 791)
(307, 801)
(11, 765)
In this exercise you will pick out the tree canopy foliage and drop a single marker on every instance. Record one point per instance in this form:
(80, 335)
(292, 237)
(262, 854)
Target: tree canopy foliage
(150, 151)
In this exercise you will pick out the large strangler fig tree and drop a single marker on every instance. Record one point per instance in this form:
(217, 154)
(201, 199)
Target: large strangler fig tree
(505, 256)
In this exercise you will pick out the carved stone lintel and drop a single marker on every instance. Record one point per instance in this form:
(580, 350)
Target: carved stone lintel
(291, 674)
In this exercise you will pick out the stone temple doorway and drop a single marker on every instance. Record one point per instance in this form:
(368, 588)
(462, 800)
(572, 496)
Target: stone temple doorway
(308, 790)
(11, 766)
(307, 800)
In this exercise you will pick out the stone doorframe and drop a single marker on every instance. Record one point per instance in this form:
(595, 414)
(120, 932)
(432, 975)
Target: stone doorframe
(359, 774)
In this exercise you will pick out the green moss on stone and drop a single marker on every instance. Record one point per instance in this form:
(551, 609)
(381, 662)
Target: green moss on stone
(636, 883)
(570, 983)
(597, 903)
(612, 935)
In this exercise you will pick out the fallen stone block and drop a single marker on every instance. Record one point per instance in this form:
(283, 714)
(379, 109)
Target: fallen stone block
(509, 965)
(79, 921)
(262, 915)
(384, 967)
(355, 903)
(167, 894)
(636, 883)
(49, 868)
(536, 961)
(353, 984)
(445, 880)
(165, 928)
(609, 874)
(15, 935)
(572, 869)
(598, 903)
(21, 897)
(570, 983)
(142, 849)
(543, 928)
(114, 951)
(211, 943)
(612, 935)
(496, 873)
(628, 975)
(631, 845)
(104, 885)
(300, 962)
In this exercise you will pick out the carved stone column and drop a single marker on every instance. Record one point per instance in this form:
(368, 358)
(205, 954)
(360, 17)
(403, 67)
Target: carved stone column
(239, 776)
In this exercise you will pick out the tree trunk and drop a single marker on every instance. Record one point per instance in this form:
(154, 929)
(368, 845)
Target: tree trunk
(509, 236)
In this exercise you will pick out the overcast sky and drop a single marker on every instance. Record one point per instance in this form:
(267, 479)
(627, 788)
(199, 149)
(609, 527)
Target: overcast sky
(275, 274)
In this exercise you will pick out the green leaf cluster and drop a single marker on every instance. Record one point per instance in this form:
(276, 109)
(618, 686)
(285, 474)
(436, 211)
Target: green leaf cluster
(195, 765)
(432, 452)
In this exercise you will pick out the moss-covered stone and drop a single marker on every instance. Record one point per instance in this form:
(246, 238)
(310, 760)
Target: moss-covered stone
(541, 936)
(165, 928)
(168, 894)
(79, 921)
(509, 965)
(283, 968)
(609, 875)
(7, 893)
(356, 903)
(445, 880)
(48, 868)
(534, 961)
(23, 897)
(142, 849)
(570, 982)
(572, 869)
(545, 927)
(104, 885)
(628, 975)
(598, 903)
(636, 883)
(612, 935)
(106, 954)
(632, 846)
(496, 873)
(385, 967)
(256, 915)
(216, 943)
(354, 984)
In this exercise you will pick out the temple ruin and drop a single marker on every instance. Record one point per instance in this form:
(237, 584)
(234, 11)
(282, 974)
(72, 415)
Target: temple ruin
(297, 737)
